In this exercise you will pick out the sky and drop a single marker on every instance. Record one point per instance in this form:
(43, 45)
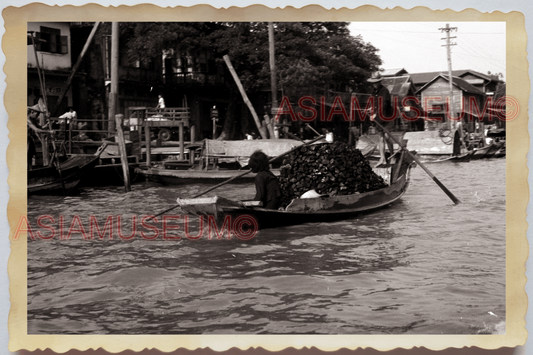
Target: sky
(418, 46)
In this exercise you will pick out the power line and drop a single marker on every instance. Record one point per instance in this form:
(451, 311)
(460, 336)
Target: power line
(389, 31)
(468, 58)
(479, 49)
(410, 43)
(481, 53)
(431, 32)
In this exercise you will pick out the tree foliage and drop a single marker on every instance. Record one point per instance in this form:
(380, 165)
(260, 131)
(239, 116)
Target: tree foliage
(311, 57)
(308, 54)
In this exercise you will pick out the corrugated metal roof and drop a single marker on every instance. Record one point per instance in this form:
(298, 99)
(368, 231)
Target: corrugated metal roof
(465, 86)
(422, 78)
(458, 82)
(394, 72)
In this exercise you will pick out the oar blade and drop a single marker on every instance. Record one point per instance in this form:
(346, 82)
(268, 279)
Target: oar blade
(446, 191)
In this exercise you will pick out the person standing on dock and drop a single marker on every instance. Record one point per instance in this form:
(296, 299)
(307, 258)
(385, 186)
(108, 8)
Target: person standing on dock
(382, 108)
(266, 184)
(160, 102)
(66, 119)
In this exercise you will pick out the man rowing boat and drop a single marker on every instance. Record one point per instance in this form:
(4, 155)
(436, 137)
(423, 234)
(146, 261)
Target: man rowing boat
(266, 184)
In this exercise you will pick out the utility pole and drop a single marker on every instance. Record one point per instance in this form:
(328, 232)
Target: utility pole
(448, 45)
(272, 56)
(273, 85)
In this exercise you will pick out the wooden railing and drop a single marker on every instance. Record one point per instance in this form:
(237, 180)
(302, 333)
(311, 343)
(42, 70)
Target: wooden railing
(148, 118)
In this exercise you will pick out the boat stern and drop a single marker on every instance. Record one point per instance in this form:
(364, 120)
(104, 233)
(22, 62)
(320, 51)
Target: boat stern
(205, 205)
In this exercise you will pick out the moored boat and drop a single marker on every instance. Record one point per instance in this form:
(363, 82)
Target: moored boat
(488, 151)
(304, 210)
(63, 178)
(461, 158)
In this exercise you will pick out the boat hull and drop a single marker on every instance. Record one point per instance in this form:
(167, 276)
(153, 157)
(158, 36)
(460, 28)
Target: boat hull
(320, 209)
(489, 151)
(49, 180)
(462, 158)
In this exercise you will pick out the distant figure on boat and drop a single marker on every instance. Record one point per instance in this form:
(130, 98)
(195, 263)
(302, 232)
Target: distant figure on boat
(266, 184)
(382, 108)
(160, 102)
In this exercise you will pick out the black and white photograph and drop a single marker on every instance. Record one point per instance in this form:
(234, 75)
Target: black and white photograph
(270, 178)
(345, 224)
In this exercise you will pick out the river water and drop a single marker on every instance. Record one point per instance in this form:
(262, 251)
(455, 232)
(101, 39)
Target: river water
(421, 266)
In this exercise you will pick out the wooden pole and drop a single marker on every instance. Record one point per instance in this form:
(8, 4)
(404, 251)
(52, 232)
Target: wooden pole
(182, 138)
(75, 69)
(113, 94)
(270, 126)
(447, 29)
(123, 153)
(41, 82)
(147, 135)
(43, 139)
(193, 134)
(245, 97)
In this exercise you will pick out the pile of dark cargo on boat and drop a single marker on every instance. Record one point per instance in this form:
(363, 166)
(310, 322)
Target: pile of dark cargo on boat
(332, 169)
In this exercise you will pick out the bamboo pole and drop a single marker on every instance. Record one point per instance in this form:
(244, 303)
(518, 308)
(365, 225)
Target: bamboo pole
(245, 97)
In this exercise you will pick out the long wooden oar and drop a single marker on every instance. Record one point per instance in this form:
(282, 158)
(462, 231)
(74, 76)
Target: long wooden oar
(448, 192)
(245, 173)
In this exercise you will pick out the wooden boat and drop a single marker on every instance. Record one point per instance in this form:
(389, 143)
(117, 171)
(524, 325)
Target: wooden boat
(438, 146)
(63, 179)
(178, 172)
(500, 153)
(487, 151)
(108, 172)
(461, 158)
(304, 210)
(166, 176)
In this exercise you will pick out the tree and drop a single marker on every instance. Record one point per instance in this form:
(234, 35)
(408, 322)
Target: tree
(310, 56)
